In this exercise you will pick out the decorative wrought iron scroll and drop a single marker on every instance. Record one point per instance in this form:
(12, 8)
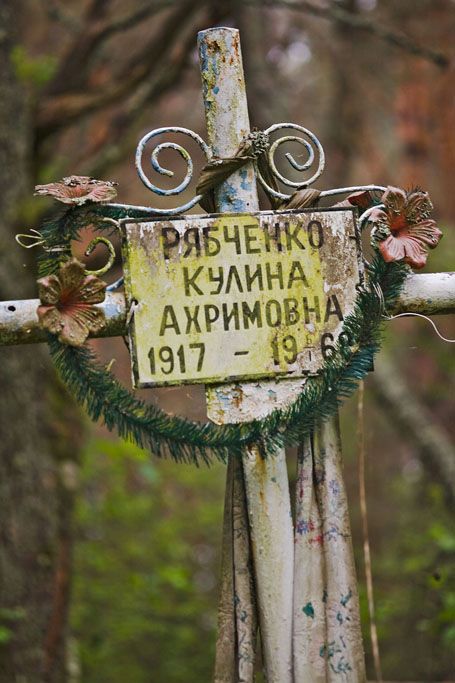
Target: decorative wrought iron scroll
(315, 153)
(154, 159)
(314, 163)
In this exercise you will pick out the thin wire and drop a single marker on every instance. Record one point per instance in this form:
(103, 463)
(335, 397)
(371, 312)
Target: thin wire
(425, 317)
(35, 239)
(366, 538)
(380, 294)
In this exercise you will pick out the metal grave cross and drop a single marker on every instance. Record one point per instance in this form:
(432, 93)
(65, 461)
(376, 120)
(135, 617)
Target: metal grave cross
(251, 297)
(247, 302)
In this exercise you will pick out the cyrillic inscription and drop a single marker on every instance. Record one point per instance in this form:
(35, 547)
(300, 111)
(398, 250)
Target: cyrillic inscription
(238, 296)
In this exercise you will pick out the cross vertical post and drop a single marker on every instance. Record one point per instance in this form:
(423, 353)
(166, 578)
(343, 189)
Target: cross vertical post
(266, 480)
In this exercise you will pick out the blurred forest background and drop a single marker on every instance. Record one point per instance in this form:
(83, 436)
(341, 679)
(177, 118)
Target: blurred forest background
(109, 558)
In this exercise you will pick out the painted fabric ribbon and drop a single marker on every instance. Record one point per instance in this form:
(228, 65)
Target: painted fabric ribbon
(237, 613)
(327, 639)
(252, 148)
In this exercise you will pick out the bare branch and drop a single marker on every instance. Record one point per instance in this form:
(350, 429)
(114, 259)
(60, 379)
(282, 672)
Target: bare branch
(342, 16)
(134, 18)
(56, 13)
(124, 130)
(60, 111)
(432, 443)
(96, 29)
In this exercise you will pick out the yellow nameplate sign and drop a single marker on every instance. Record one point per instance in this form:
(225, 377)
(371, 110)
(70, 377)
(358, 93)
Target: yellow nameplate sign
(238, 296)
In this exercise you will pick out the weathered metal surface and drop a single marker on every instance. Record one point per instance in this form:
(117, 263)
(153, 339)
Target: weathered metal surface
(154, 159)
(314, 164)
(425, 293)
(271, 290)
(428, 294)
(327, 637)
(19, 323)
(237, 613)
(266, 481)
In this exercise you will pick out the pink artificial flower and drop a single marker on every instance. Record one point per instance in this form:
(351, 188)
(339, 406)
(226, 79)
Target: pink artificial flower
(403, 227)
(67, 303)
(78, 190)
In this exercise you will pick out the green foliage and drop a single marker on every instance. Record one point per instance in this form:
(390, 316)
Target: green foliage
(413, 549)
(146, 567)
(104, 398)
(415, 584)
(7, 618)
(33, 70)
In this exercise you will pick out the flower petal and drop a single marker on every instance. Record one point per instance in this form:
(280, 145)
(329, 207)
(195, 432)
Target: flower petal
(427, 232)
(75, 180)
(92, 290)
(395, 199)
(392, 249)
(72, 275)
(102, 192)
(74, 331)
(50, 318)
(56, 190)
(49, 290)
(416, 254)
(378, 216)
(418, 206)
(78, 190)
(98, 320)
(93, 318)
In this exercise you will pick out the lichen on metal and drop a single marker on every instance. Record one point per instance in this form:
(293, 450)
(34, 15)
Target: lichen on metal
(226, 113)
(111, 250)
(268, 288)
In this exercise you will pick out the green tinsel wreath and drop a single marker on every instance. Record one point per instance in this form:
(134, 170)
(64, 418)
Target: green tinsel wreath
(104, 398)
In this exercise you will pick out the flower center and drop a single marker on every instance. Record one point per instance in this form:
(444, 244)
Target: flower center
(398, 223)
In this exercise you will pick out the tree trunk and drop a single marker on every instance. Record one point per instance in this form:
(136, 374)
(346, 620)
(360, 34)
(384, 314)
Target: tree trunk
(36, 472)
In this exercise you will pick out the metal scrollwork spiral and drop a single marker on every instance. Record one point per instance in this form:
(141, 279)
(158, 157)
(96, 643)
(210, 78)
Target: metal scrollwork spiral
(155, 163)
(315, 155)
(110, 247)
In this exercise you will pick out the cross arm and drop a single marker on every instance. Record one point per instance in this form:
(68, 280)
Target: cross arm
(19, 320)
(428, 294)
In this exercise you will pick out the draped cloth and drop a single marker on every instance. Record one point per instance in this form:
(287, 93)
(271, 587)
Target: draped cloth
(237, 616)
(327, 641)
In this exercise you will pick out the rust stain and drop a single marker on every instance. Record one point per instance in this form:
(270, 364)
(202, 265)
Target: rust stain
(237, 396)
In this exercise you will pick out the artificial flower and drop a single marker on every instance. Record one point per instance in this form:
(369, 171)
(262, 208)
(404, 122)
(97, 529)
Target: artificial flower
(79, 189)
(68, 303)
(403, 229)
